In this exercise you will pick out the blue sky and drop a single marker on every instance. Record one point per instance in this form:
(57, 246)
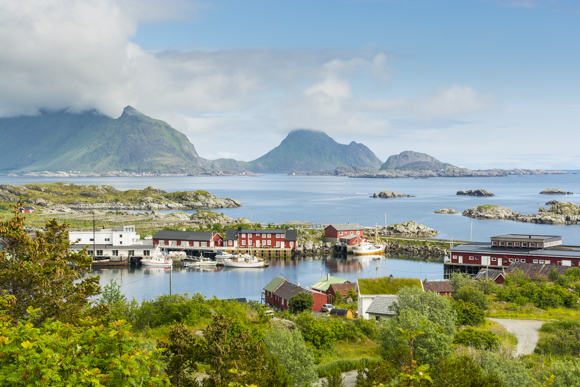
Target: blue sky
(479, 83)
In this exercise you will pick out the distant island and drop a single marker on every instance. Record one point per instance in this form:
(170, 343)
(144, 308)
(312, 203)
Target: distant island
(91, 144)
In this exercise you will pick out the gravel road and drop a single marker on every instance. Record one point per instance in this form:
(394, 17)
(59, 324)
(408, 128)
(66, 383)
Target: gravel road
(526, 331)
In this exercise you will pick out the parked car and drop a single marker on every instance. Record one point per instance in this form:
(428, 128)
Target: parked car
(326, 308)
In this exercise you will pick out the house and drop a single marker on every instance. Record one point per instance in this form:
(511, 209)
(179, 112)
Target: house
(441, 287)
(505, 250)
(244, 238)
(324, 284)
(343, 289)
(381, 307)
(495, 275)
(187, 240)
(285, 290)
(371, 288)
(117, 245)
(26, 210)
(349, 234)
(343, 313)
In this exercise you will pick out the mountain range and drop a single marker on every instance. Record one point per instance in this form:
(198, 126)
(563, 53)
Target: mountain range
(135, 143)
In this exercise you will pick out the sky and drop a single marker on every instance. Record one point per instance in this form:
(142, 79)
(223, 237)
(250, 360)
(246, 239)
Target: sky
(475, 83)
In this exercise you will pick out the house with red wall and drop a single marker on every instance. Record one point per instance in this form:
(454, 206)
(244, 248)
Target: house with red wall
(279, 291)
(350, 234)
(26, 210)
(276, 239)
(187, 240)
(505, 250)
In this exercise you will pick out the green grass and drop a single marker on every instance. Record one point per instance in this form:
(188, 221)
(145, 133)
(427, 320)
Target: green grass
(530, 312)
(385, 285)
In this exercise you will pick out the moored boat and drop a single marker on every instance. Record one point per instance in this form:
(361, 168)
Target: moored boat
(157, 259)
(367, 248)
(244, 261)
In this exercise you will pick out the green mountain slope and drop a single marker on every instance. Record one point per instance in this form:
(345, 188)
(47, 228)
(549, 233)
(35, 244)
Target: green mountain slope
(414, 161)
(90, 142)
(313, 151)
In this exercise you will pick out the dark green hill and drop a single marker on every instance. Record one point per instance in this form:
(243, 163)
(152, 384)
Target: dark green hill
(313, 151)
(414, 161)
(93, 143)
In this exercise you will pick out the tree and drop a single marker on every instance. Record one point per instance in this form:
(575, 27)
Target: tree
(468, 313)
(459, 280)
(301, 302)
(470, 294)
(87, 353)
(40, 272)
(289, 348)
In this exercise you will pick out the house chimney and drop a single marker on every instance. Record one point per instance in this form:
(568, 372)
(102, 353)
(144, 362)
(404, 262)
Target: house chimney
(328, 276)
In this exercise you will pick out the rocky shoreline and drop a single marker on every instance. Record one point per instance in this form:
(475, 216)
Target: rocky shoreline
(564, 213)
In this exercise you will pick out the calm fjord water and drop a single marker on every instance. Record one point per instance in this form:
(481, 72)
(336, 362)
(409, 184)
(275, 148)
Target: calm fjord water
(275, 198)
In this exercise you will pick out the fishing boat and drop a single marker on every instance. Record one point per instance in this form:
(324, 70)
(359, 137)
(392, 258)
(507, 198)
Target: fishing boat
(244, 261)
(206, 261)
(221, 255)
(157, 259)
(368, 248)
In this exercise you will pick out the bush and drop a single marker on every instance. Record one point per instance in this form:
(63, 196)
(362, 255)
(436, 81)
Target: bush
(468, 313)
(316, 331)
(344, 365)
(470, 294)
(477, 339)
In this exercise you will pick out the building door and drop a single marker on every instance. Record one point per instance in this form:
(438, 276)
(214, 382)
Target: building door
(499, 261)
(485, 260)
(461, 259)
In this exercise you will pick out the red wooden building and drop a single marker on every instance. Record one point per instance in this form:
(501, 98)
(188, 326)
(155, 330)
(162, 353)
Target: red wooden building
(243, 238)
(350, 234)
(504, 250)
(187, 240)
(26, 210)
(279, 291)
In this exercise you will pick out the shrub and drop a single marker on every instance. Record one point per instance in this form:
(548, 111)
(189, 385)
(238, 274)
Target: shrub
(477, 339)
(468, 313)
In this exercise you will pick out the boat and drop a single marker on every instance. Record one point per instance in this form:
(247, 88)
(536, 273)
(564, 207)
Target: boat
(157, 259)
(244, 261)
(206, 261)
(190, 262)
(221, 255)
(368, 248)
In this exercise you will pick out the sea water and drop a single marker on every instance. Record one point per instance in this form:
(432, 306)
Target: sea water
(278, 198)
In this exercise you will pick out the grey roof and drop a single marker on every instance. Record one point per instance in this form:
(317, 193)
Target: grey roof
(287, 290)
(184, 235)
(346, 227)
(382, 305)
(527, 237)
(550, 252)
(491, 274)
(291, 235)
(232, 235)
(443, 286)
(111, 247)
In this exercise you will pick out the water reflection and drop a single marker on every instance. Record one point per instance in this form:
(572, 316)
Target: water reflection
(148, 283)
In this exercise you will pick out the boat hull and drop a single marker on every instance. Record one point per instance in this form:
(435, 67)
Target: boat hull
(251, 265)
(148, 263)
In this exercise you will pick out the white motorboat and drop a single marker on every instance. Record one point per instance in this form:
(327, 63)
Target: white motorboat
(190, 262)
(245, 261)
(158, 259)
(221, 255)
(206, 261)
(367, 248)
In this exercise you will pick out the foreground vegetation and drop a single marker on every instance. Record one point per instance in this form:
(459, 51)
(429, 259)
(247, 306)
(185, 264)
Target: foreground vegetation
(54, 332)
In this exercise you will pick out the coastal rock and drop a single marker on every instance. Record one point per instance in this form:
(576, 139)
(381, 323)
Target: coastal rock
(475, 192)
(559, 213)
(390, 195)
(408, 229)
(205, 218)
(490, 212)
(446, 211)
(555, 191)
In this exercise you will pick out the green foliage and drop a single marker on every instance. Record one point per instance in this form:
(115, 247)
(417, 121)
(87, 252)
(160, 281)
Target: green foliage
(472, 295)
(41, 273)
(468, 313)
(344, 365)
(301, 302)
(566, 373)
(386, 285)
(459, 280)
(289, 348)
(170, 309)
(375, 373)
(225, 353)
(513, 372)
(478, 339)
(462, 372)
(561, 338)
(316, 331)
(335, 379)
(87, 353)
(352, 294)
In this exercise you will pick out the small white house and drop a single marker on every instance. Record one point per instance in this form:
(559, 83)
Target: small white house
(116, 236)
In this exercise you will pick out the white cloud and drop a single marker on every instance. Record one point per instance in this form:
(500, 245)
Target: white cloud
(457, 100)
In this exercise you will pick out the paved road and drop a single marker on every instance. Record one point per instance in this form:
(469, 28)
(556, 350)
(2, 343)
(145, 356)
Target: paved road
(349, 379)
(526, 331)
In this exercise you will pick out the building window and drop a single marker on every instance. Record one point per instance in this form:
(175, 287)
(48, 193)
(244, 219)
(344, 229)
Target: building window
(509, 244)
(120, 242)
(535, 261)
(90, 252)
(539, 245)
(516, 244)
(493, 259)
(115, 253)
(269, 235)
(494, 243)
(511, 259)
(501, 243)
(92, 240)
(120, 235)
(455, 257)
(277, 244)
(541, 261)
(131, 253)
(471, 258)
(524, 244)
(146, 253)
(107, 239)
(547, 262)
(243, 243)
(532, 244)
(99, 253)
